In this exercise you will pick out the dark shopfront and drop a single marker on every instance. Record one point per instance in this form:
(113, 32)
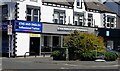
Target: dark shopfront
(111, 38)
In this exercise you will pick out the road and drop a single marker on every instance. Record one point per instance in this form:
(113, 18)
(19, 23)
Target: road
(48, 63)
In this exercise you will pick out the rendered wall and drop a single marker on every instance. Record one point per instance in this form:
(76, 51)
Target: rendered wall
(48, 11)
(22, 43)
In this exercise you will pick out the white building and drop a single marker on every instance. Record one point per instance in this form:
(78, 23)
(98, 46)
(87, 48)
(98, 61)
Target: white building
(57, 18)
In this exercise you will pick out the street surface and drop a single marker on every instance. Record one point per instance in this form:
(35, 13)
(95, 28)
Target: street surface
(48, 63)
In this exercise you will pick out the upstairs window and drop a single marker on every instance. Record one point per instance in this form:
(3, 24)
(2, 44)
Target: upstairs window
(4, 12)
(79, 4)
(59, 16)
(90, 20)
(110, 21)
(33, 13)
(79, 19)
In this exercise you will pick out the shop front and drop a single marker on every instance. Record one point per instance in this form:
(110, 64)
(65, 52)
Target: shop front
(36, 38)
(28, 35)
(25, 38)
(52, 36)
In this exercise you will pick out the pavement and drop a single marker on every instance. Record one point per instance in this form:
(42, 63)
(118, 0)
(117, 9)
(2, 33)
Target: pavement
(49, 63)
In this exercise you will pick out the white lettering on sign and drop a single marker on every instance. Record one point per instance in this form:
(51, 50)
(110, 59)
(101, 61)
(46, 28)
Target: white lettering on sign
(29, 24)
(71, 29)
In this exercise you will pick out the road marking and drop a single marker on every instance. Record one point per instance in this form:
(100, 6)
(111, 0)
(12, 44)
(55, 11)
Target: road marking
(64, 68)
(70, 65)
(106, 66)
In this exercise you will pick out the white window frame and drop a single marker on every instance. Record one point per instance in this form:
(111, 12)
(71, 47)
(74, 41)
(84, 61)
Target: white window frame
(110, 22)
(59, 12)
(91, 18)
(79, 18)
(33, 15)
(80, 3)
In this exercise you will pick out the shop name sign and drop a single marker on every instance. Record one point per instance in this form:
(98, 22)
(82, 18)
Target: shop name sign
(71, 29)
(28, 26)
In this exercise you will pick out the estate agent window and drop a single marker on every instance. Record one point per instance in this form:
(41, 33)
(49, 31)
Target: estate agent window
(33, 13)
(59, 16)
(79, 19)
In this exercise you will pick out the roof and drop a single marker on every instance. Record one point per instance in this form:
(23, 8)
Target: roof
(62, 2)
(115, 1)
(96, 5)
(90, 4)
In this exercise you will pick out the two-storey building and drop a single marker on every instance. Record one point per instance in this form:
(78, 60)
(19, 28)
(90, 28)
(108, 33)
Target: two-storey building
(40, 25)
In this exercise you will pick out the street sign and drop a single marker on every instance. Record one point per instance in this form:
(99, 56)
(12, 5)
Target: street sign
(9, 29)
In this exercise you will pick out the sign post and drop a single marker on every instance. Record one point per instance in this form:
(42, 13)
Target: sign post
(9, 29)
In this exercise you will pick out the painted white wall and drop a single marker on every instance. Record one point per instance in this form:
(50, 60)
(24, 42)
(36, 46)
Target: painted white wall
(47, 14)
(96, 19)
(77, 9)
(102, 20)
(48, 11)
(22, 8)
(22, 43)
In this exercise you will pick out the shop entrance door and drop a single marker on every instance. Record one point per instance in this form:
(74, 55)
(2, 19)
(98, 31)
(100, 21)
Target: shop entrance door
(34, 45)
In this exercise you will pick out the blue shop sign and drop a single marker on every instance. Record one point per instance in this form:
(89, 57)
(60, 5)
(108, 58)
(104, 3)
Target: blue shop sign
(26, 26)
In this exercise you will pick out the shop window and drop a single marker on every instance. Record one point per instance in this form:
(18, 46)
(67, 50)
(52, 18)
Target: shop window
(79, 19)
(110, 45)
(59, 16)
(90, 20)
(56, 41)
(45, 40)
(33, 13)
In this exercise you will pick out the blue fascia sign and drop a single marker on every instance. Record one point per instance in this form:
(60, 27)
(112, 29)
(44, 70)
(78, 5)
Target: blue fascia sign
(22, 26)
(26, 26)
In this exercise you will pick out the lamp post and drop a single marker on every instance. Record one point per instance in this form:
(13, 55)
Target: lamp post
(96, 33)
(10, 29)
